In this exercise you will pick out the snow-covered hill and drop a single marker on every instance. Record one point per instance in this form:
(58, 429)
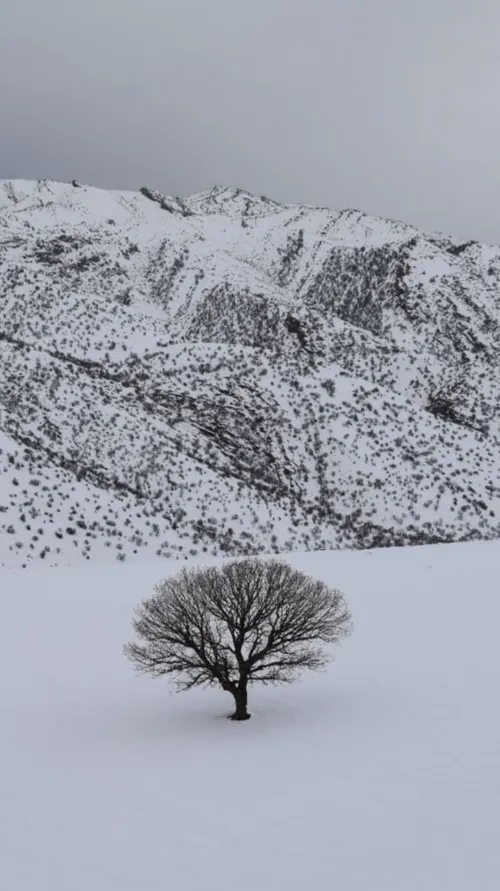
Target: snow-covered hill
(222, 374)
(381, 774)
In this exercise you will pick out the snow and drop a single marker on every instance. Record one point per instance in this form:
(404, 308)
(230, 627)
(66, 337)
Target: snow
(381, 774)
(205, 425)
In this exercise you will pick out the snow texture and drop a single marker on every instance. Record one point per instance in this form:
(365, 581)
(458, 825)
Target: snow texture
(381, 774)
(225, 375)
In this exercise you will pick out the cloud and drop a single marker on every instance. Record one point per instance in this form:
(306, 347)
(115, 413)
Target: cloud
(352, 103)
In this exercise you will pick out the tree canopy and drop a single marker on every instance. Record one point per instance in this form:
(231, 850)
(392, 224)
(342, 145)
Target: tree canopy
(248, 621)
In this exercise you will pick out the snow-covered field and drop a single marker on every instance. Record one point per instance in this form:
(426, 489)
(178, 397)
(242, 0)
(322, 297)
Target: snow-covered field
(382, 774)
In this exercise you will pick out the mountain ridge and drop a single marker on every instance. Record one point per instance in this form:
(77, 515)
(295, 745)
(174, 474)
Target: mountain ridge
(224, 374)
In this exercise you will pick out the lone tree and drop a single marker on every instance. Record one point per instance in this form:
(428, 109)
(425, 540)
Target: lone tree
(248, 621)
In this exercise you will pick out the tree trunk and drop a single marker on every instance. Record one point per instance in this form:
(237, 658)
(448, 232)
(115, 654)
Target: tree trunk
(241, 700)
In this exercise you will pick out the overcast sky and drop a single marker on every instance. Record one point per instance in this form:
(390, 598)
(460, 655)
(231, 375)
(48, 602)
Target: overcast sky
(389, 106)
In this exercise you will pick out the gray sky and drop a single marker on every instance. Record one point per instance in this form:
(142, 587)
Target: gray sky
(389, 106)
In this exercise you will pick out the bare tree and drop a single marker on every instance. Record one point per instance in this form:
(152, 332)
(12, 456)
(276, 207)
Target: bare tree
(248, 621)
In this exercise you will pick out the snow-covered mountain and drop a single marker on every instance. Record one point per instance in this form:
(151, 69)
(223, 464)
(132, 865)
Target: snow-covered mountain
(223, 374)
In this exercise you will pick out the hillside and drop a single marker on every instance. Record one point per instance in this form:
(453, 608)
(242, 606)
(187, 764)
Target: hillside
(223, 374)
(379, 775)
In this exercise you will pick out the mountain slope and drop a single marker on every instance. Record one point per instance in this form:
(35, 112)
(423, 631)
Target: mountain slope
(225, 374)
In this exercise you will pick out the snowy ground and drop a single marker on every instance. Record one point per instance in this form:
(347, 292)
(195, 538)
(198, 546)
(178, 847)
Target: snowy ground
(380, 775)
